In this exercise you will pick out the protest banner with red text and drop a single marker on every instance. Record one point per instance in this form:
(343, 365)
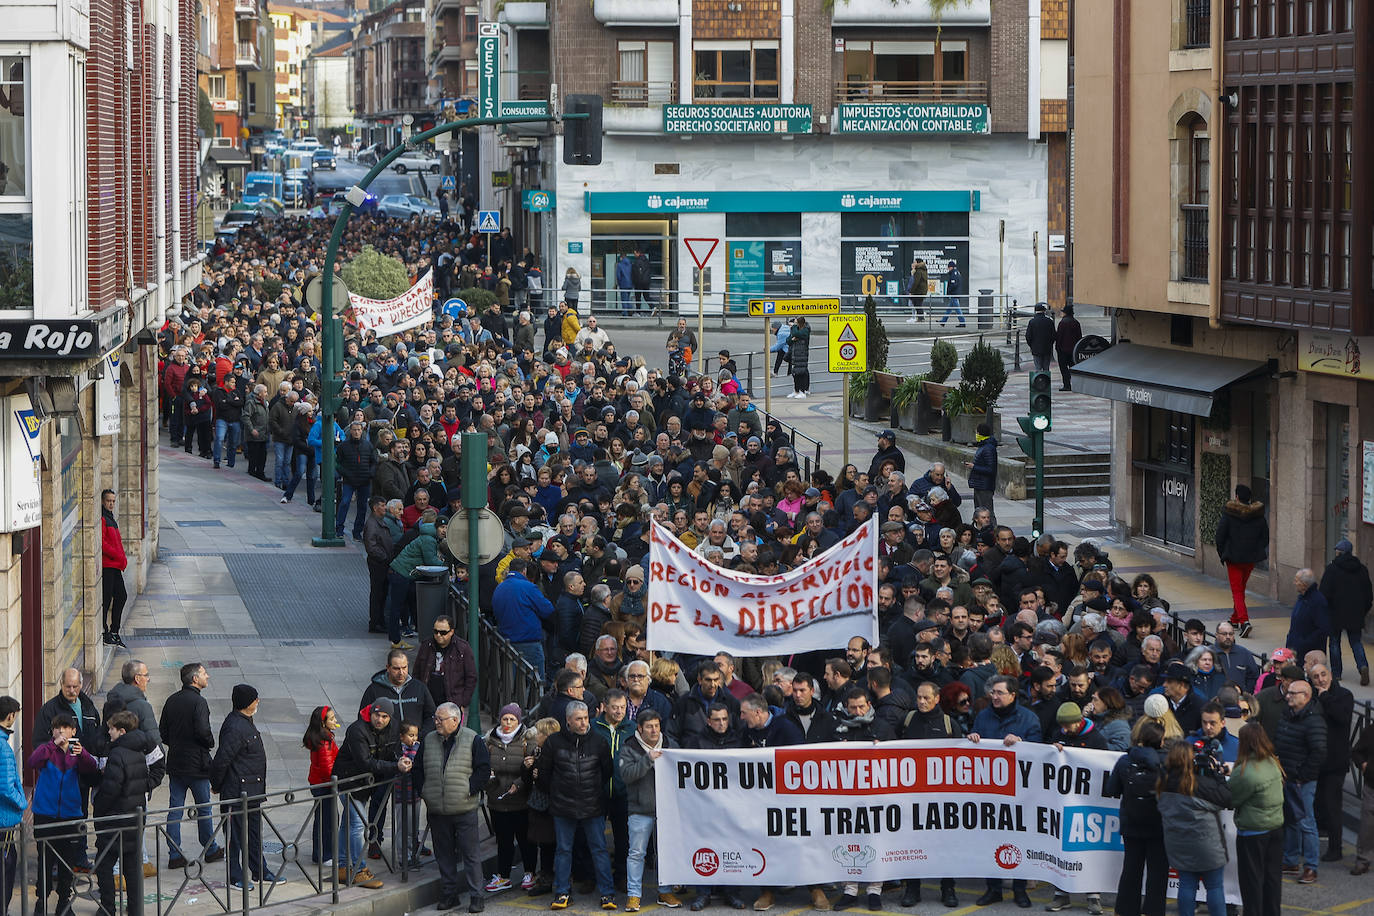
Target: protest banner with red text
(411, 309)
(700, 608)
(863, 813)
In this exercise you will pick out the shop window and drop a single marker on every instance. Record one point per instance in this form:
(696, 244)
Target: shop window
(877, 251)
(763, 257)
(735, 70)
(614, 238)
(904, 70)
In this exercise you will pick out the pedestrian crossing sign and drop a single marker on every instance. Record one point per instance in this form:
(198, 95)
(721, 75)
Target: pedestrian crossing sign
(847, 339)
(447, 183)
(488, 220)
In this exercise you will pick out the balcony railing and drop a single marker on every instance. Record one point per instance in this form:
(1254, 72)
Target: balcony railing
(246, 54)
(640, 93)
(918, 91)
(1193, 265)
(245, 8)
(1198, 24)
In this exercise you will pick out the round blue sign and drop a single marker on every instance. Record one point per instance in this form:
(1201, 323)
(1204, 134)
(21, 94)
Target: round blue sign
(455, 307)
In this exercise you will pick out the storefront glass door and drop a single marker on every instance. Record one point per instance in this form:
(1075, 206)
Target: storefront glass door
(1170, 498)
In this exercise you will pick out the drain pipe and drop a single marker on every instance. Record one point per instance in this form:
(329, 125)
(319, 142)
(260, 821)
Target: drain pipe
(1217, 128)
(179, 132)
(160, 187)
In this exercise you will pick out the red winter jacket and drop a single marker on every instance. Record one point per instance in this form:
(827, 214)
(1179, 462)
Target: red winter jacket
(322, 762)
(111, 546)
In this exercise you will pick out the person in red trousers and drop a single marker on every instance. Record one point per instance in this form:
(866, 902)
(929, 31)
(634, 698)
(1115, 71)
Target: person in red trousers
(1242, 541)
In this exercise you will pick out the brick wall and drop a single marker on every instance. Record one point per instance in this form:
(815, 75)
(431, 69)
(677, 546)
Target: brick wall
(813, 56)
(1010, 54)
(1057, 217)
(105, 171)
(1054, 19)
(582, 51)
(758, 19)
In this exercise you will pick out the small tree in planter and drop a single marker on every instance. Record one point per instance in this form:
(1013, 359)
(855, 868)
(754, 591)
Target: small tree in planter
(904, 400)
(981, 380)
(877, 336)
(860, 384)
(943, 359)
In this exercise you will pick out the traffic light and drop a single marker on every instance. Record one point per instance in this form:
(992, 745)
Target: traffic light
(1030, 441)
(1040, 401)
(582, 136)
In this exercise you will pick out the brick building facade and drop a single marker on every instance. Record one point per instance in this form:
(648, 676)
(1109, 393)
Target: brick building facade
(97, 213)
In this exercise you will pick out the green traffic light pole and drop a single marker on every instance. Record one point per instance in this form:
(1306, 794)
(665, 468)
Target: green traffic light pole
(333, 336)
(1033, 444)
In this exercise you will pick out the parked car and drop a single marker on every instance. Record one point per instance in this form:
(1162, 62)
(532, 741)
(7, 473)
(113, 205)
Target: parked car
(323, 159)
(369, 154)
(309, 144)
(401, 206)
(415, 161)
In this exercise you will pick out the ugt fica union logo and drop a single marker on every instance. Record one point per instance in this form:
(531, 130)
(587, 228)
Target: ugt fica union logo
(705, 862)
(1007, 856)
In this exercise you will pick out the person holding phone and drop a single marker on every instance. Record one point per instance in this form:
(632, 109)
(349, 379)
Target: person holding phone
(57, 797)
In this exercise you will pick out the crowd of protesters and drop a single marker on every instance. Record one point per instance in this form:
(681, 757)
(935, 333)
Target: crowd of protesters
(985, 635)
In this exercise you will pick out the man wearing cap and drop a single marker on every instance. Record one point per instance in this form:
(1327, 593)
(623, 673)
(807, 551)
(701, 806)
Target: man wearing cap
(239, 768)
(1040, 337)
(451, 769)
(1346, 587)
(1178, 690)
(887, 451)
(1074, 730)
(1309, 625)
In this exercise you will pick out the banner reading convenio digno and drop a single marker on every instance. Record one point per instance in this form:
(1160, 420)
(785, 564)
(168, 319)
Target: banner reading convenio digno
(819, 813)
(409, 310)
(700, 608)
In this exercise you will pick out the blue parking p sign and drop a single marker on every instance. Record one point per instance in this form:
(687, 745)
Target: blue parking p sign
(488, 220)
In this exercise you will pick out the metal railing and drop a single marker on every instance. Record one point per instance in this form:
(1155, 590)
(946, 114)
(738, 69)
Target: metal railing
(299, 830)
(1198, 24)
(991, 310)
(246, 52)
(640, 93)
(911, 91)
(503, 674)
(1194, 247)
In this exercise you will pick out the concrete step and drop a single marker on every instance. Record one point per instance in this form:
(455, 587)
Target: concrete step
(1077, 489)
(1077, 458)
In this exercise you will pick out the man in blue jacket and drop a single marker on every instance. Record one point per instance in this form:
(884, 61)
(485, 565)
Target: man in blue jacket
(520, 609)
(982, 470)
(1310, 624)
(1011, 723)
(13, 801)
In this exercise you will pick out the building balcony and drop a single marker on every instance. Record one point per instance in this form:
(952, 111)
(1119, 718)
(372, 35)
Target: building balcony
(246, 9)
(644, 12)
(246, 55)
(453, 53)
(521, 14)
(1193, 263)
(641, 93)
(851, 91)
(443, 6)
(904, 13)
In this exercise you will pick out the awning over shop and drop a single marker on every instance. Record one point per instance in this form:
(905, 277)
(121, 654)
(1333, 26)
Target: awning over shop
(1156, 377)
(230, 157)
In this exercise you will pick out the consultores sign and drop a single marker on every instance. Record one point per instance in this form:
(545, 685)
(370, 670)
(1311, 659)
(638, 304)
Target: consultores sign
(737, 119)
(903, 118)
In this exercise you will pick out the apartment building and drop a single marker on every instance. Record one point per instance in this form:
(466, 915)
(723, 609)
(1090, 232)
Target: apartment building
(241, 80)
(328, 84)
(1222, 151)
(389, 72)
(825, 145)
(98, 107)
(295, 30)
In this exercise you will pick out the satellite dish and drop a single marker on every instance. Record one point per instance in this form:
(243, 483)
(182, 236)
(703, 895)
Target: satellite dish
(491, 536)
(314, 288)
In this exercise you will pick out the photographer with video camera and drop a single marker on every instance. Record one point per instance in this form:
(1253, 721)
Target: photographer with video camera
(1192, 794)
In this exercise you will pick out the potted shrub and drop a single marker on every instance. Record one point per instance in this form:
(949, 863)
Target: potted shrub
(943, 359)
(860, 385)
(904, 401)
(955, 413)
(981, 380)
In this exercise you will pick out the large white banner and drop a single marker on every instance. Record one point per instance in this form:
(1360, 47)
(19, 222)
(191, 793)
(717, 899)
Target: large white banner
(411, 309)
(700, 608)
(822, 813)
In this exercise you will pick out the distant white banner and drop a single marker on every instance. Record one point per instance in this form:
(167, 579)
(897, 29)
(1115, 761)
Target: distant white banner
(409, 310)
(700, 608)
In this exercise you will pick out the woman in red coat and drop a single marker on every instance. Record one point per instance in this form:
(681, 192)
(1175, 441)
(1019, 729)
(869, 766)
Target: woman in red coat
(113, 563)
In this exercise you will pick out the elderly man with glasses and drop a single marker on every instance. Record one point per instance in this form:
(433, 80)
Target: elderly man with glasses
(451, 769)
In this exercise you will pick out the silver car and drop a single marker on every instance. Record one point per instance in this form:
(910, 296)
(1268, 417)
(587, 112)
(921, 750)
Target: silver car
(415, 161)
(403, 206)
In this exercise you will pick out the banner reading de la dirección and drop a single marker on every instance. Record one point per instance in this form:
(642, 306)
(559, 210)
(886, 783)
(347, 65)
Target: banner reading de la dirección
(700, 608)
(819, 813)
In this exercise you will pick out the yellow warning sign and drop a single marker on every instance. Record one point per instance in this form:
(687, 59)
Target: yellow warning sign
(847, 338)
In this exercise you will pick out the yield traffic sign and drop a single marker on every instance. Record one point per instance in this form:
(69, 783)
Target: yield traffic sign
(847, 339)
(701, 250)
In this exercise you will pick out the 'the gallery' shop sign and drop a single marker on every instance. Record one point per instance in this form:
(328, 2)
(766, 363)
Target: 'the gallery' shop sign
(77, 338)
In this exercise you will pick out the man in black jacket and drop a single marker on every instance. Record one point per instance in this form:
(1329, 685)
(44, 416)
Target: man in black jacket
(357, 462)
(1300, 740)
(124, 787)
(380, 547)
(185, 726)
(575, 768)
(1242, 539)
(1346, 585)
(369, 749)
(1040, 337)
(239, 769)
(1337, 706)
(808, 712)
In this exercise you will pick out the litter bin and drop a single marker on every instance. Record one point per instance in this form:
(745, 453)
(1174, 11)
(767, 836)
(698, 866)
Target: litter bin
(431, 597)
(985, 314)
